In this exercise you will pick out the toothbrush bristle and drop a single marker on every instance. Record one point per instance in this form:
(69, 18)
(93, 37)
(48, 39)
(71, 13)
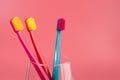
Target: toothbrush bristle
(61, 24)
(31, 25)
(17, 24)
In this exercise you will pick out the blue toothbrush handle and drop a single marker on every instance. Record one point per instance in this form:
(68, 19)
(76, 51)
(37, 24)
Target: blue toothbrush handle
(56, 68)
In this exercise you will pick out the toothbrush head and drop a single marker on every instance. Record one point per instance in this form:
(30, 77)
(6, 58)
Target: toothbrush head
(61, 24)
(17, 24)
(31, 25)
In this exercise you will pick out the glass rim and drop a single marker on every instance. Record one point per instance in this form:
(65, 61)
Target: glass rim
(63, 63)
(66, 61)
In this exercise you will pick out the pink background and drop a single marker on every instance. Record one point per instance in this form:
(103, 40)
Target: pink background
(91, 38)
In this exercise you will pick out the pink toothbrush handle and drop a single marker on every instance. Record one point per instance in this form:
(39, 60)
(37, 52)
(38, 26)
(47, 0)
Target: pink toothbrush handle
(39, 70)
(39, 55)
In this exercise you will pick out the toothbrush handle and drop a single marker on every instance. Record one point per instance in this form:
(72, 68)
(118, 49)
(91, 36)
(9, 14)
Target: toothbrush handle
(39, 70)
(56, 66)
(39, 56)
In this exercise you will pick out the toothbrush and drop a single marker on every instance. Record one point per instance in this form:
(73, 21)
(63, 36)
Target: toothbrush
(31, 26)
(56, 67)
(18, 26)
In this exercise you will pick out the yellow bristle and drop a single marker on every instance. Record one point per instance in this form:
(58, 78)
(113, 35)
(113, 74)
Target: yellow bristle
(31, 25)
(17, 24)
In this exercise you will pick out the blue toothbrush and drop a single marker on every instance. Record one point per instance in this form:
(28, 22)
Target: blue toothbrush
(56, 66)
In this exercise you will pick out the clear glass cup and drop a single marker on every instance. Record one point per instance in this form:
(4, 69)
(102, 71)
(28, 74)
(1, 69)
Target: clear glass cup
(65, 70)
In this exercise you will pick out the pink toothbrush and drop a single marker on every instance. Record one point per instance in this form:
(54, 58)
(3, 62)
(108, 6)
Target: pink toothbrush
(18, 26)
(31, 26)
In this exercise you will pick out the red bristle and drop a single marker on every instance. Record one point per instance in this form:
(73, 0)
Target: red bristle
(61, 24)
